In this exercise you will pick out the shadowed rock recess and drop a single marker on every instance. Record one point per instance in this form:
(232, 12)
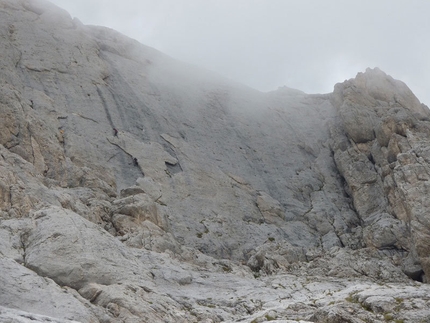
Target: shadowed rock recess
(213, 202)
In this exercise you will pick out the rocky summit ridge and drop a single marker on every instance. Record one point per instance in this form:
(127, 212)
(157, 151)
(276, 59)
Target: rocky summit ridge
(211, 201)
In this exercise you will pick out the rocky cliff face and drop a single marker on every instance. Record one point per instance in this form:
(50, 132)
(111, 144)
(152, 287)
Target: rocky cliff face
(213, 202)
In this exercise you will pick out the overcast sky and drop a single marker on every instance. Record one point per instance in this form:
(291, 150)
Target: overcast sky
(305, 44)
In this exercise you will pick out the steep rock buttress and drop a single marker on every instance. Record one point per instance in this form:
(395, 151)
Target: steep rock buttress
(380, 145)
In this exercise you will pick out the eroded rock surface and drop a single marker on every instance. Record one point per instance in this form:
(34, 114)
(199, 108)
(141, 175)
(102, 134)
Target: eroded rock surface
(384, 166)
(212, 202)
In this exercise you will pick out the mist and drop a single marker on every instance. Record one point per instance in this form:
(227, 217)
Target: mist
(301, 44)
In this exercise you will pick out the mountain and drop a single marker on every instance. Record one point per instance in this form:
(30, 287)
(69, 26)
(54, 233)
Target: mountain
(136, 188)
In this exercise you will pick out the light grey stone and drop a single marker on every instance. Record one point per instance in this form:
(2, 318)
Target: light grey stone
(240, 205)
(73, 251)
(16, 316)
(23, 289)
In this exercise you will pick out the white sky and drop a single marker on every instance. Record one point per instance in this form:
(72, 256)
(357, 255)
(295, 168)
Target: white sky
(305, 44)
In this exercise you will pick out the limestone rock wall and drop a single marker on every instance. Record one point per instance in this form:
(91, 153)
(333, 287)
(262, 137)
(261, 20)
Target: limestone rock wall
(212, 147)
(379, 145)
(213, 201)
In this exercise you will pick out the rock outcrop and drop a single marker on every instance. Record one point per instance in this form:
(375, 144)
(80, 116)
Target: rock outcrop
(379, 148)
(212, 201)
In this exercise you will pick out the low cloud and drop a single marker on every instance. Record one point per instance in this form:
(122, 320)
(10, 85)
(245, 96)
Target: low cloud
(302, 44)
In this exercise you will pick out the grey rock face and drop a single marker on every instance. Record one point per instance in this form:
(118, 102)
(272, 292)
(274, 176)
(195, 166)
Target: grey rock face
(384, 169)
(23, 289)
(17, 316)
(69, 249)
(212, 201)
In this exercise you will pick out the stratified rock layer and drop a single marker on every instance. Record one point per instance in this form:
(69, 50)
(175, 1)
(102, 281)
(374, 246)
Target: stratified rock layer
(384, 164)
(211, 201)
